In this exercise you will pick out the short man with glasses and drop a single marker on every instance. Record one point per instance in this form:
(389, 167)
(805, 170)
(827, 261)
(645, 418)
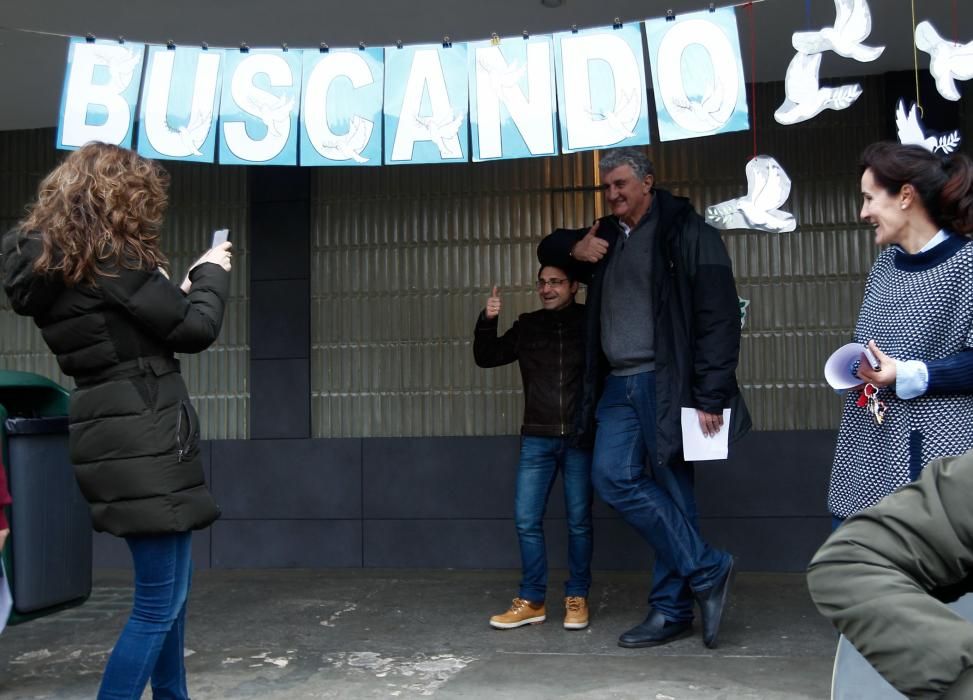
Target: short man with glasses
(663, 333)
(549, 346)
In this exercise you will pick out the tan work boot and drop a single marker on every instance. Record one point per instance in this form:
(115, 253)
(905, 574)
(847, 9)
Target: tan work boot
(575, 613)
(522, 612)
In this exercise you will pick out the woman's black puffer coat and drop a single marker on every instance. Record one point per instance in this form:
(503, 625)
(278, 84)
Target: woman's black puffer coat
(134, 437)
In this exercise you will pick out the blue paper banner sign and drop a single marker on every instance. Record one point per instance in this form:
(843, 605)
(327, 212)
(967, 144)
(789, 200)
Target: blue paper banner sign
(180, 103)
(341, 112)
(512, 97)
(697, 75)
(601, 88)
(513, 113)
(101, 88)
(426, 95)
(259, 107)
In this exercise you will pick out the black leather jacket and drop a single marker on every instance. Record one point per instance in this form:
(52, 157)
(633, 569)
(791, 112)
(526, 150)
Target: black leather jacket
(549, 346)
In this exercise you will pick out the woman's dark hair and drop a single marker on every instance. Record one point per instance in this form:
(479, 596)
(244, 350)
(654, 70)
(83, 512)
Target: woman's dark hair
(945, 185)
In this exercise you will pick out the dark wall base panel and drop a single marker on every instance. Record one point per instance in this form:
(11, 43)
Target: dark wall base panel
(448, 503)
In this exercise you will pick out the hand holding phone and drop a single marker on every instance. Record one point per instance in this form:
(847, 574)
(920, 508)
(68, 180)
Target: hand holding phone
(872, 360)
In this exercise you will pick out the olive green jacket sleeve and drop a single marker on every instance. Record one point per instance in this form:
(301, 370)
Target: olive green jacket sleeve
(881, 576)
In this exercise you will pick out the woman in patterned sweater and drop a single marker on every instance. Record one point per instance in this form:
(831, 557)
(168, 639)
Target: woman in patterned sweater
(917, 319)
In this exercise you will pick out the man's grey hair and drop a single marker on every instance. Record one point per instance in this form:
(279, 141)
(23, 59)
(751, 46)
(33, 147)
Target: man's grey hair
(633, 157)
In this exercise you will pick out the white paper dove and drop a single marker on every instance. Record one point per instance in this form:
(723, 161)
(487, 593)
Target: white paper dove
(502, 77)
(444, 132)
(853, 24)
(273, 110)
(121, 63)
(349, 146)
(805, 98)
(911, 131)
(626, 112)
(948, 61)
(193, 135)
(705, 113)
(768, 187)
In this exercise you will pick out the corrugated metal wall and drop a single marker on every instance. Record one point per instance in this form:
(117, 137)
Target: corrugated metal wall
(404, 257)
(402, 260)
(202, 197)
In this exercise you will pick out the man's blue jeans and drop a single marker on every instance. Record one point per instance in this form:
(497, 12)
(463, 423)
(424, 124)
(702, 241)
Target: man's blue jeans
(662, 507)
(152, 642)
(540, 459)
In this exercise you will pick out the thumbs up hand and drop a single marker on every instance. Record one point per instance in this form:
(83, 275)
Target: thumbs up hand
(493, 304)
(590, 248)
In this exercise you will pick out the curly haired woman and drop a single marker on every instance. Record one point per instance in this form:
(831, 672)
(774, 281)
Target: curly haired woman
(86, 265)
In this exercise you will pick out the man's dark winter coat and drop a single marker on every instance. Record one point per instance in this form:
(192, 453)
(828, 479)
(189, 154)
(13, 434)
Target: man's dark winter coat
(549, 347)
(697, 320)
(134, 436)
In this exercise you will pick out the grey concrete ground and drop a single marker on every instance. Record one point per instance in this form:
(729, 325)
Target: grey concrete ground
(361, 633)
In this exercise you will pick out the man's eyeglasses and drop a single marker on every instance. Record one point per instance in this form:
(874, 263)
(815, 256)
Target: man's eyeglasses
(552, 282)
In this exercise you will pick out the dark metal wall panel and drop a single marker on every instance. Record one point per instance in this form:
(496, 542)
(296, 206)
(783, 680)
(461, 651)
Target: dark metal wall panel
(202, 198)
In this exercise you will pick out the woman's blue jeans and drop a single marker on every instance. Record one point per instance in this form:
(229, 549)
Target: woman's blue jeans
(660, 506)
(151, 645)
(540, 459)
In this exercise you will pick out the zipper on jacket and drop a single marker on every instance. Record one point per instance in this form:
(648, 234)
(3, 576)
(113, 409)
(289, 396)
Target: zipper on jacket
(179, 446)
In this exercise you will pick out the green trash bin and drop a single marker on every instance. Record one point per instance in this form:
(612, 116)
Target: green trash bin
(48, 553)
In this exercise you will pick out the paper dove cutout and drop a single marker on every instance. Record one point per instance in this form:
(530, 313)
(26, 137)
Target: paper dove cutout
(193, 134)
(273, 111)
(350, 145)
(768, 187)
(624, 117)
(443, 131)
(121, 63)
(948, 61)
(911, 131)
(853, 24)
(706, 112)
(805, 98)
(502, 77)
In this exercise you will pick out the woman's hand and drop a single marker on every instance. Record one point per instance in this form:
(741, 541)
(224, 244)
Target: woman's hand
(884, 375)
(3, 537)
(218, 255)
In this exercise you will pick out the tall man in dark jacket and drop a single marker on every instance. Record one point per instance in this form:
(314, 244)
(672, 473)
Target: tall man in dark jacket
(663, 332)
(549, 346)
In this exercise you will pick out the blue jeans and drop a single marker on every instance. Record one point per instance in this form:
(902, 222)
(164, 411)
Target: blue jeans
(540, 459)
(660, 506)
(152, 642)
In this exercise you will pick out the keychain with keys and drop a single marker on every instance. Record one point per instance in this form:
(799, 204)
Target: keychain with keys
(869, 400)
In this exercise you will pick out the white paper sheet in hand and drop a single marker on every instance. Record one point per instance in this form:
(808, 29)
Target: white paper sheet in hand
(839, 369)
(696, 447)
(6, 600)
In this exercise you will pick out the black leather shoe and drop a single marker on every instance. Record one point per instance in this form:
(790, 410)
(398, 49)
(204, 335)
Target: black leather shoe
(712, 602)
(655, 630)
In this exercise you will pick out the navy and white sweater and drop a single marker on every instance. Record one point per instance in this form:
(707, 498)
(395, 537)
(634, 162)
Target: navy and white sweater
(916, 307)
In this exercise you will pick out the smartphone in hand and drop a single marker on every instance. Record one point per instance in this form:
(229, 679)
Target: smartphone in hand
(872, 360)
(220, 236)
